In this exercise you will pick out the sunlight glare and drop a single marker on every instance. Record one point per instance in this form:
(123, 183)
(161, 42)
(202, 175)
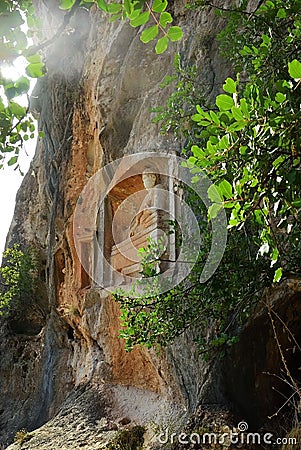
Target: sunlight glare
(10, 179)
(15, 70)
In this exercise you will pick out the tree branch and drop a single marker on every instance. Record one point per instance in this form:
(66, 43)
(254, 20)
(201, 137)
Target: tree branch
(67, 18)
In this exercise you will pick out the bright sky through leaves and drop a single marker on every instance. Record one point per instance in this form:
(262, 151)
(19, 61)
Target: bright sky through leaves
(10, 179)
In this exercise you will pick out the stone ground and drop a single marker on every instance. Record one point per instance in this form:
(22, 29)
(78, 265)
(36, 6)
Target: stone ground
(91, 417)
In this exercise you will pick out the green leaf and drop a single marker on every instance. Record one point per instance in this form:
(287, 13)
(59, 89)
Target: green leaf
(246, 51)
(211, 149)
(280, 98)
(225, 189)
(198, 152)
(266, 39)
(102, 4)
(15, 19)
(237, 114)
(149, 34)
(17, 110)
(35, 70)
(281, 13)
(224, 102)
(36, 58)
(134, 14)
(200, 110)
(278, 161)
(297, 203)
(236, 126)
(274, 256)
(213, 194)
(224, 142)
(213, 210)
(21, 39)
(244, 108)
(14, 138)
(159, 6)
(140, 20)
(230, 86)
(114, 8)
(204, 123)
(214, 117)
(161, 45)
(12, 161)
(22, 85)
(165, 18)
(4, 7)
(175, 33)
(10, 91)
(67, 4)
(294, 69)
(277, 275)
(197, 117)
(128, 7)
(8, 149)
(228, 204)
(259, 217)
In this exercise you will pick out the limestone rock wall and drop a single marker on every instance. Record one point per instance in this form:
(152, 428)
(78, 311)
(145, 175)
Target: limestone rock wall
(94, 106)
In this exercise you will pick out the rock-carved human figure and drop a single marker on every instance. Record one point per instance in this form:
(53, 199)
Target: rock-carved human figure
(149, 210)
(147, 222)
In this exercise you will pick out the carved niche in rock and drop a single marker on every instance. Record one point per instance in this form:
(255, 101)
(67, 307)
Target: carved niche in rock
(137, 218)
(111, 228)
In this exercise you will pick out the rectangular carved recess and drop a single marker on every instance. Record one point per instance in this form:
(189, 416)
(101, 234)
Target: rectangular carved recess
(147, 213)
(87, 261)
(123, 255)
(129, 215)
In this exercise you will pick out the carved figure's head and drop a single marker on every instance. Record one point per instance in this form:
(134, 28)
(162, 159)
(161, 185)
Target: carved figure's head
(149, 179)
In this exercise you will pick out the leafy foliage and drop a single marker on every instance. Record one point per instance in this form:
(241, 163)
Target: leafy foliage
(215, 310)
(129, 439)
(139, 13)
(150, 256)
(248, 143)
(18, 279)
(16, 124)
(22, 436)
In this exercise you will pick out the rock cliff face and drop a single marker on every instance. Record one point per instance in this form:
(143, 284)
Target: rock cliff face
(63, 363)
